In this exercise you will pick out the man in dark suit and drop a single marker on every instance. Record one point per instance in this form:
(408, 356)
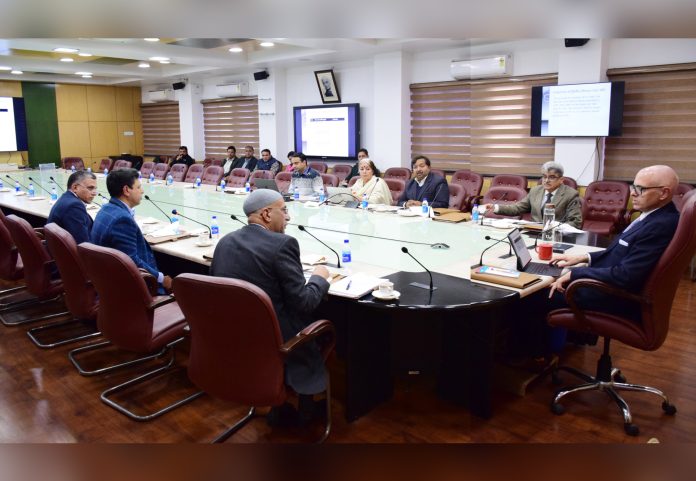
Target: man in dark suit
(261, 253)
(631, 257)
(183, 157)
(246, 162)
(70, 212)
(115, 226)
(424, 185)
(229, 161)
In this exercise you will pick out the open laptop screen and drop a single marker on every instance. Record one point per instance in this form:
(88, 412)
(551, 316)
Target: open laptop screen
(520, 248)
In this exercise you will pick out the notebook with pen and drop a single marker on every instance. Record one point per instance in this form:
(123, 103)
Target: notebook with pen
(354, 286)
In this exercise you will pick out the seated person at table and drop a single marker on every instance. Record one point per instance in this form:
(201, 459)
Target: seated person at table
(424, 185)
(369, 183)
(306, 179)
(268, 162)
(115, 225)
(551, 191)
(248, 161)
(182, 157)
(362, 154)
(289, 167)
(69, 212)
(262, 254)
(229, 161)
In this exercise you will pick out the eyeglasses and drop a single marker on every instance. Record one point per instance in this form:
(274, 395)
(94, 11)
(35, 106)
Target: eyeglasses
(639, 189)
(550, 177)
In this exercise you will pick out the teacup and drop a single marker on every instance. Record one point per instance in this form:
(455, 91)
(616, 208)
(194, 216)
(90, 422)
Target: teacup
(204, 240)
(386, 288)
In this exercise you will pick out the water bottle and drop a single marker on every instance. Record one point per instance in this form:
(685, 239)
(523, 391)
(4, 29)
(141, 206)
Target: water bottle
(247, 187)
(198, 182)
(140, 176)
(170, 179)
(89, 169)
(363, 204)
(345, 254)
(54, 194)
(296, 193)
(106, 171)
(475, 213)
(32, 192)
(152, 177)
(2, 186)
(175, 223)
(549, 222)
(214, 229)
(17, 190)
(222, 185)
(425, 210)
(72, 168)
(322, 195)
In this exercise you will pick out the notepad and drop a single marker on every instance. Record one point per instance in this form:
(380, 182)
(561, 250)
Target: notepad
(355, 286)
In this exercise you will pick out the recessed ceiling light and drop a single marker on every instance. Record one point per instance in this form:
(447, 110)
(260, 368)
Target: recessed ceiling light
(66, 59)
(236, 49)
(86, 76)
(164, 61)
(83, 73)
(267, 44)
(3, 67)
(158, 59)
(66, 50)
(144, 65)
(151, 39)
(17, 72)
(84, 54)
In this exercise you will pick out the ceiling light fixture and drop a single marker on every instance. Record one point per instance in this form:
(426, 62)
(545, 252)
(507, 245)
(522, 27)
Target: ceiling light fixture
(158, 59)
(267, 44)
(66, 59)
(84, 54)
(83, 73)
(236, 49)
(151, 39)
(164, 61)
(86, 76)
(66, 50)
(144, 65)
(3, 67)
(17, 72)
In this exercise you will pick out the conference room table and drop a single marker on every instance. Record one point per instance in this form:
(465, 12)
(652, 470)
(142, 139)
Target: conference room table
(449, 331)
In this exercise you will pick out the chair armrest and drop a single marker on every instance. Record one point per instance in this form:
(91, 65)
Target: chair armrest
(310, 333)
(39, 231)
(601, 286)
(160, 301)
(150, 282)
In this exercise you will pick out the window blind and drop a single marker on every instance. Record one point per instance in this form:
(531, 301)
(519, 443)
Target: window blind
(161, 134)
(231, 122)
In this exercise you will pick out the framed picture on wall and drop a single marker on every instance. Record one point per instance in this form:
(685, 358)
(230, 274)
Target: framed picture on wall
(326, 81)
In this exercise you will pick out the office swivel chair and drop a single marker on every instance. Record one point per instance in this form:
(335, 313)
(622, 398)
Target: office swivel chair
(604, 207)
(655, 301)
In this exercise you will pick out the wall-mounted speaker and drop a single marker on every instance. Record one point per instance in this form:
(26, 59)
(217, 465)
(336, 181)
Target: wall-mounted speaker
(263, 75)
(576, 42)
(178, 85)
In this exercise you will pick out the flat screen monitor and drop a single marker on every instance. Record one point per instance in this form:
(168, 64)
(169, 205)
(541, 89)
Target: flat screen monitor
(13, 125)
(579, 110)
(328, 131)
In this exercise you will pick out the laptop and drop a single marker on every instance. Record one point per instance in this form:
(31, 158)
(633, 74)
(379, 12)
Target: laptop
(271, 184)
(524, 258)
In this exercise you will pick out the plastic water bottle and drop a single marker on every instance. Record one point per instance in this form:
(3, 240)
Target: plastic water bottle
(2, 186)
(363, 204)
(140, 176)
(32, 192)
(345, 254)
(17, 187)
(296, 193)
(475, 213)
(214, 228)
(247, 187)
(198, 182)
(106, 171)
(72, 168)
(322, 195)
(175, 223)
(152, 177)
(222, 185)
(54, 194)
(425, 209)
(89, 169)
(170, 179)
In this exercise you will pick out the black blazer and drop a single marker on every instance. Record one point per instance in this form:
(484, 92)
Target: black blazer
(70, 213)
(239, 163)
(434, 189)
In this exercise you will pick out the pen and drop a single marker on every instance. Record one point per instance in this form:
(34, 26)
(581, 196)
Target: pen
(349, 283)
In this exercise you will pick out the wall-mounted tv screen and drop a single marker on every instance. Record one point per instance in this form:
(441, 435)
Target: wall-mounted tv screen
(579, 110)
(328, 131)
(13, 125)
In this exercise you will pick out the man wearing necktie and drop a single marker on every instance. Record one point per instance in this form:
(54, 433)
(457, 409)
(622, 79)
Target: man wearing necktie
(551, 191)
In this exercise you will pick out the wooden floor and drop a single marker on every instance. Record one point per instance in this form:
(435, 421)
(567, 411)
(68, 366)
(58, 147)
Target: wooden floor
(43, 399)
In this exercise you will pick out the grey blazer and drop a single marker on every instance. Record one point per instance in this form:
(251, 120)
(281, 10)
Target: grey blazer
(566, 199)
(271, 261)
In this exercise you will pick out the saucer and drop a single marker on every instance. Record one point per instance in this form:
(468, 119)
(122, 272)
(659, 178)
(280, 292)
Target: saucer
(203, 244)
(386, 297)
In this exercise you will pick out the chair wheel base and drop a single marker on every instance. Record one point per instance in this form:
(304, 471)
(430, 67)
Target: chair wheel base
(631, 429)
(619, 378)
(557, 409)
(669, 409)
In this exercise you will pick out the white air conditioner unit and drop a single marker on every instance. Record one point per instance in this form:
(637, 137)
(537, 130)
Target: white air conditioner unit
(498, 66)
(232, 90)
(161, 95)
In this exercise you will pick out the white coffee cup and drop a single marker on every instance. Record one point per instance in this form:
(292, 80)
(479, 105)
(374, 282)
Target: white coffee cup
(386, 288)
(204, 239)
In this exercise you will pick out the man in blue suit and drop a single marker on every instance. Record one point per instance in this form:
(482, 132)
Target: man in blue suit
(631, 257)
(424, 185)
(70, 212)
(115, 226)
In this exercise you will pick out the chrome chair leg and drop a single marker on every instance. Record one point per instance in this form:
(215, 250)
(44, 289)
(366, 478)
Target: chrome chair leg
(235, 427)
(34, 331)
(72, 355)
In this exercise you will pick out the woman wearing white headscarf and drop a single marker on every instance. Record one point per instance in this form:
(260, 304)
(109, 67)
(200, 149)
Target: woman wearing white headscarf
(376, 188)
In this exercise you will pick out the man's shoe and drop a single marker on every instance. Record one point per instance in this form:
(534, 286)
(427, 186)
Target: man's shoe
(284, 415)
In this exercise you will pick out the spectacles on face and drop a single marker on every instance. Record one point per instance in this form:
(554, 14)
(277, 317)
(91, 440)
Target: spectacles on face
(639, 189)
(550, 178)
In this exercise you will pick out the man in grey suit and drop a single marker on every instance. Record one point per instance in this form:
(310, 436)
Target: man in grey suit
(551, 191)
(261, 253)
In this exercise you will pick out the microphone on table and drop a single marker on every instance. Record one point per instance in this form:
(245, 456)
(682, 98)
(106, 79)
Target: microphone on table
(56, 184)
(497, 241)
(338, 258)
(15, 180)
(545, 231)
(234, 217)
(418, 284)
(210, 232)
(147, 197)
(40, 186)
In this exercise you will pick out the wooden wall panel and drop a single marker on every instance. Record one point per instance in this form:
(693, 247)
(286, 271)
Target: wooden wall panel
(126, 143)
(74, 139)
(137, 98)
(124, 104)
(9, 88)
(101, 103)
(139, 143)
(71, 103)
(103, 138)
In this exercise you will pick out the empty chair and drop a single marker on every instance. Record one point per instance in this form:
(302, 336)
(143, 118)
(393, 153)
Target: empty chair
(240, 357)
(341, 171)
(655, 302)
(147, 168)
(604, 207)
(329, 180)
(69, 162)
(11, 267)
(161, 170)
(283, 180)
(457, 196)
(259, 174)
(569, 181)
(105, 164)
(396, 188)
(238, 177)
(194, 171)
(122, 164)
(472, 183)
(207, 162)
(680, 193)
(320, 167)
(439, 172)
(397, 173)
(212, 175)
(509, 180)
(131, 319)
(354, 179)
(177, 171)
(503, 195)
